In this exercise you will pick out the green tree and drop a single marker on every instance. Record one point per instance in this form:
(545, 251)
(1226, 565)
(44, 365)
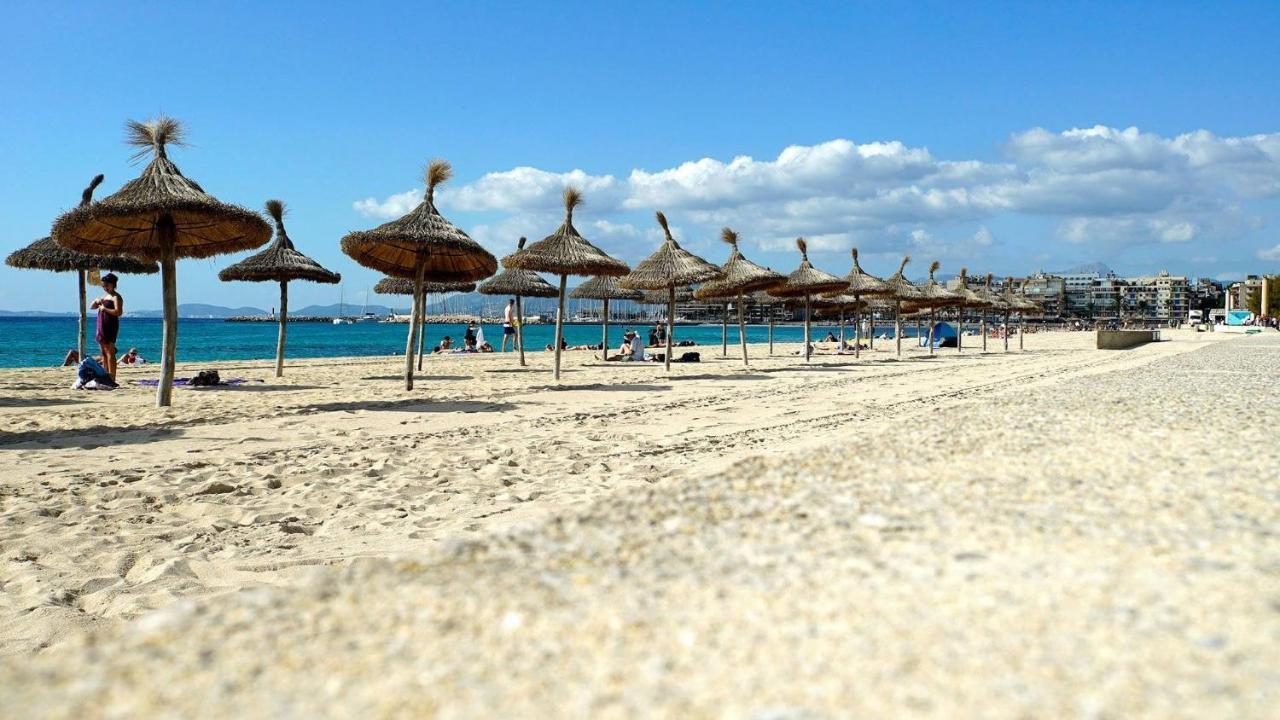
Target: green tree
(1254, 302)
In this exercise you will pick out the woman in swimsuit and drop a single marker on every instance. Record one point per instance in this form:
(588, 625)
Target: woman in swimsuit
(110, 307)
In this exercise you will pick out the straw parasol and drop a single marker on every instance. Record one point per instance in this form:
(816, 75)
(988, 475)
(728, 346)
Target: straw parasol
(761, 297)
(965, 299)
(565, 252)
(807, 281)
(992, 302)
(422, 245)
(837, 306)
(933, 296)
(404, 286)
(741, 278)
(604, 288)
(669, 266)
(161, 215)
(520, 284)
(899, 289)
(45, 254)
(863, 285)
(1016, 302)
(281, 262)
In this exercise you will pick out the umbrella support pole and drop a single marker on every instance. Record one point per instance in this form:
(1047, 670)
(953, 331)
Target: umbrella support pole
(168, 236)
(564, 281)
(671, 323)
(770, 330)
(857, 332)
(520, 327)
(742, 332)
(414, 321)
(959, 329)
(841, 329)
(984, 331)
(724, 332)
(604, 338)
(871, 330)
(897, 326)
(806, 328)
(1006, 332)
(284, 321)
(1021, 329)
(80, 335)
(421, 304)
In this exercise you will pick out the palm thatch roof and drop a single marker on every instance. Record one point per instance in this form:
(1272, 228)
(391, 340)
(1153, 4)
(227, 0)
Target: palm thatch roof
(862, 283)
(45, 254)
(898, 287)
(968, 297)
(422, 237)
(837, 302)
(601, 287)
(806, 279)
(741, 276)
(669, 266)
(124, 223)
(659, 297)
(565, 251)
(404, 286)
(514, 281)
(280, 261)
(1018, 302)
(992, 300)
(932, 293)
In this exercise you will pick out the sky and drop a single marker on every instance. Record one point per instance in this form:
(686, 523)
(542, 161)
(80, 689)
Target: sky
(1004, 137)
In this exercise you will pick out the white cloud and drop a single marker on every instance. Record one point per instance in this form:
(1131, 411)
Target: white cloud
(1102, 185)
(1271, 253)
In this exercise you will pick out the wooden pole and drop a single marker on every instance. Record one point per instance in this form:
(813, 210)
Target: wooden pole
(897, 325)
(806, 328)
(80, 342)
(564, 282)
(1022, 319)
(933, 323)
(984, 330)
(284, 319)
(742, 331)
(167, 233)
(959, 327)
(724, 332)
(520, 327)
(414, 320)
(604, 341)
(671, 321)
(769, 310)
(857, 329)
(1006, 331)
(871, 328)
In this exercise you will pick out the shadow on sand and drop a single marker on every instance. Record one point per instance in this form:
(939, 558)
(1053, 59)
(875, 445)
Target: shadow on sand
(411, 405)
(602, 387)
(86, 438)
(11, 401)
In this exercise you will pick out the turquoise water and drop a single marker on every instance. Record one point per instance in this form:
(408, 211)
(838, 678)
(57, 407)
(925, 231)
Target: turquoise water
(45, 341)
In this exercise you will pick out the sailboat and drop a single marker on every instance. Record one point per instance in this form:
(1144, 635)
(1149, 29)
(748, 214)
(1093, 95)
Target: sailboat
(365, 315)
(342, 318)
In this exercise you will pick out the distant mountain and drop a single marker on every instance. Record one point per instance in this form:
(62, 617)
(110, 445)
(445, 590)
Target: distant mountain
(1096, 267)
(34, 313)
(199, 310)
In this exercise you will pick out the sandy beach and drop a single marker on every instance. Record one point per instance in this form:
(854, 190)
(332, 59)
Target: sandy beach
(1056, 532)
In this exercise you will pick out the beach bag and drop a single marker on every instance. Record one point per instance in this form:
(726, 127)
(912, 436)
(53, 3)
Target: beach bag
(91, 369)
(690, 357)
(206, 378)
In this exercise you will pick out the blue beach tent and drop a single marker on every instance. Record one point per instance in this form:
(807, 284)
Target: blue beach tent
(944, 335)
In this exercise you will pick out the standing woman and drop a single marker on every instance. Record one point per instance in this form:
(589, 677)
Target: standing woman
(110, 307)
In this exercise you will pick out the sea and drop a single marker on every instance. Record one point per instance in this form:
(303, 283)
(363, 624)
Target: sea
(44, 341)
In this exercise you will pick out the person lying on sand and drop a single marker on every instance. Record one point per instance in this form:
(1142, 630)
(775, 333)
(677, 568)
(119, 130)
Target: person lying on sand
(132, 358)
(831, 337)
(446, 344)
(72, 359)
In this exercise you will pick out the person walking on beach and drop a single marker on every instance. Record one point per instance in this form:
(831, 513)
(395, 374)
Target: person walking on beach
(508, 325)
(110, 307)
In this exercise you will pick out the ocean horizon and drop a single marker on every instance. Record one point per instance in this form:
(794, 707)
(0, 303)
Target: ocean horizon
(44, 341)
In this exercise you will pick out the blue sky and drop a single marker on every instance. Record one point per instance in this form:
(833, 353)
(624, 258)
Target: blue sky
(1004, 136)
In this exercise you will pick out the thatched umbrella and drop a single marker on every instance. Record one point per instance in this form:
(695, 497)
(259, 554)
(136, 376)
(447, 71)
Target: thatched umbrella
(669, 266)
(422, 246)
(807, 281)
(900, 290)
(837, 305)
(769, 302)
(161, 215)
(565, 252)
(933, 296)
(965, 299)
(520, 284)
(740, 278)
(1019, 303)
(45, 254)
(991, 301)
(404, 286)
(280, 262)
(1026, 306)
(604, 289)
(863, 285)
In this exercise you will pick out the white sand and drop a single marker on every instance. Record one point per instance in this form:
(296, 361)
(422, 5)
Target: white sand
(1062, 531)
